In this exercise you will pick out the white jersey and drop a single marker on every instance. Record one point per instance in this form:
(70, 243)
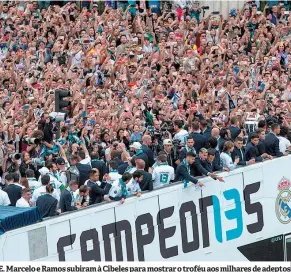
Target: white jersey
(42, 191)
(63, 178)
(162, 175)
(33, 184)
(21, 202)
(182, 136)
(57, 185)
(79, 199)
(115, 190)
(4, 198)
(132, 187)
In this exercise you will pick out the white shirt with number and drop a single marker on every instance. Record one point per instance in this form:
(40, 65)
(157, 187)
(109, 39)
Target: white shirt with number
(4, 199)
(182, 136)
(162, 175)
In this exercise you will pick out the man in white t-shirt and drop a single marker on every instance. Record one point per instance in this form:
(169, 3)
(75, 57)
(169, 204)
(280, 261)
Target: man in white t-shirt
(45, 180)
(180, 133)
(132, 186)
(55, 178)
(25, 198)
(33, 183)
(284, 143)
(4, 199)
(162, 173)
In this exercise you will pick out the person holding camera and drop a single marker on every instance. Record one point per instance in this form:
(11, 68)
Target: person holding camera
(12, 161)
(26, 164)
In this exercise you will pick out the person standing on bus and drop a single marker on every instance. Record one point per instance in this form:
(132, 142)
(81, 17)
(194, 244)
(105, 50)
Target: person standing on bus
(163, 173)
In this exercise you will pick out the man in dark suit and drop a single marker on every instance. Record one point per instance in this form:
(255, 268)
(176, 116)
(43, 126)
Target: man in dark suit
(100, 165)
(13, 189)
(67, 203)
(140, 154)
(205, 129)
(252, 151)
(147, 181)
(213, 160)
(261, 145)
(200, 141)
(97, 189)
(146, 143)
(212, 142)
(201, 162)
(188, 148)
(47, 204)
(234, 128)
(224, 137)
(272, 142)
(84, 166)
(183, 170)
(239, 152)
(210, 164)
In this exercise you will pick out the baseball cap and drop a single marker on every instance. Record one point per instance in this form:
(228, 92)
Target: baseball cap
(136, 145)
(60, 161)
(167, 142)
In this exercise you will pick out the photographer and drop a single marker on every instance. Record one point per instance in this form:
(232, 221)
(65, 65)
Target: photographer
(157, 135)
(46, 125)
(36, 146)
(27, 164)
(12, 161)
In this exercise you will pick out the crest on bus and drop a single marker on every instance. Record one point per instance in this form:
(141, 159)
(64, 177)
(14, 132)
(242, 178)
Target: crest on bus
(283, 201)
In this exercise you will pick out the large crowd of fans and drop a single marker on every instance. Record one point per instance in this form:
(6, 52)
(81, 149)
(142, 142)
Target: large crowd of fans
(159, 93)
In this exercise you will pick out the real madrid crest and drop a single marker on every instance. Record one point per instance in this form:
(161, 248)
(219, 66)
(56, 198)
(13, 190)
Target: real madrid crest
(283, 201)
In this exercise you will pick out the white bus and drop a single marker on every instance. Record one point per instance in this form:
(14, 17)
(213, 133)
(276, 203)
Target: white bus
(246, 218)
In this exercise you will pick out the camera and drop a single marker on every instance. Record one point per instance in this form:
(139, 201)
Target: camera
(38, 161)
(15, 156)
(57, 116)
(177, 146)
(31, 141)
